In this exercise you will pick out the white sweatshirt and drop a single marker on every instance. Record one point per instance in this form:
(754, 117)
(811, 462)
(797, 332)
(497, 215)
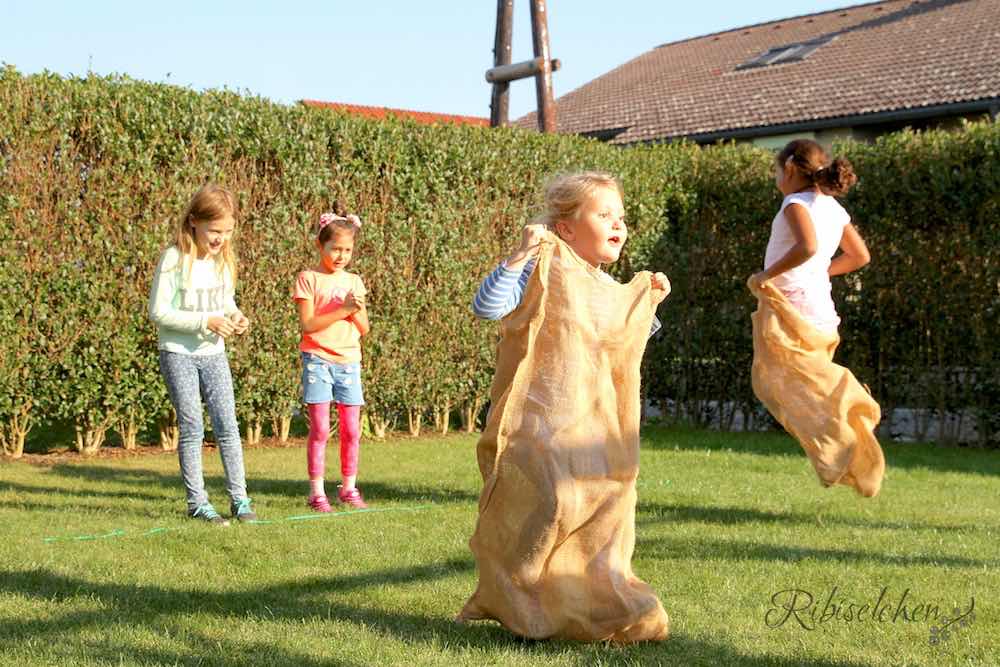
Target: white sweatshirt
(181, 304)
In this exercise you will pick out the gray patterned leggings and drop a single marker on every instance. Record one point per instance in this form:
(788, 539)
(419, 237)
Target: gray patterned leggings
(190, 379)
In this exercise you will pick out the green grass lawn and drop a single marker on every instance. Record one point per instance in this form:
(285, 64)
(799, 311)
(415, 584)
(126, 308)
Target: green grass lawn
(725, 522)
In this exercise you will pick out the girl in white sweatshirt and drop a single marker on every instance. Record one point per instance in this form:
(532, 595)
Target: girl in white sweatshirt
(192, 303)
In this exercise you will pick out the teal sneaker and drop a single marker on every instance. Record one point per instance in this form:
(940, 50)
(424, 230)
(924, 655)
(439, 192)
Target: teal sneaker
(207, 513)
(242, 511)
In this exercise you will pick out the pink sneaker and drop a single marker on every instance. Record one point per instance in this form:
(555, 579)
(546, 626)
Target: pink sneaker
(351, 497)
(320, 503)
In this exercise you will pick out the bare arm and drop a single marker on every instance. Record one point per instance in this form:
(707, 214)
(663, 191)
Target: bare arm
(310, 322)
(360, 320)
(802, 228)
(854, 253)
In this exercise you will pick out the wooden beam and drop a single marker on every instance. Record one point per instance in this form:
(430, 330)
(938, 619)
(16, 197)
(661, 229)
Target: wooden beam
(500, 100)
(522, 70)
(543, 80)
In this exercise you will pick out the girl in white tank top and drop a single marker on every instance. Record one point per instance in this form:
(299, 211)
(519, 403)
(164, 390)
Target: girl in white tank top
(808, 229)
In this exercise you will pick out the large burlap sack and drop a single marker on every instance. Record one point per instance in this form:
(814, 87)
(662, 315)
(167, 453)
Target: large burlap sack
(820, 403)
(559, 458)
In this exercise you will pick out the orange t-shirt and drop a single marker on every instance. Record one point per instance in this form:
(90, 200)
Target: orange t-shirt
(341, 341)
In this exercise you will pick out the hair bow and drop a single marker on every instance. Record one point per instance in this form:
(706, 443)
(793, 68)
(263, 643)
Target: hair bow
(327, 218)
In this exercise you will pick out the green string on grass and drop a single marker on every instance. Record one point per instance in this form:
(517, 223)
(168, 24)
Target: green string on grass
(118, 532)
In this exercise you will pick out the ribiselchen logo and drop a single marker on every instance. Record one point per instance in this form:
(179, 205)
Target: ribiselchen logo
(796, 607)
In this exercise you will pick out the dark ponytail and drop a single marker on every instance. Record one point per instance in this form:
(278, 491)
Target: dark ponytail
(808, 157)
(836, 178)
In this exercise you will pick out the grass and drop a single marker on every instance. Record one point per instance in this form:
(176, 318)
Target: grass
(725, 521)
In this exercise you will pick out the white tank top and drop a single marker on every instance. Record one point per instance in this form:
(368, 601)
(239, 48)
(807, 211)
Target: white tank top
(808, 285)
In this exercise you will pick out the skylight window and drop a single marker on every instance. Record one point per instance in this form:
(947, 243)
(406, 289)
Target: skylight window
(788, 53)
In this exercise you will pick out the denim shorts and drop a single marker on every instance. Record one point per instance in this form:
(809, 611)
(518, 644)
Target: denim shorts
(324, 381)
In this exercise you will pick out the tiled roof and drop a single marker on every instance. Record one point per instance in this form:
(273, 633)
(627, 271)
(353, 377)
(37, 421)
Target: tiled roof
(881, 57)
(424, 117)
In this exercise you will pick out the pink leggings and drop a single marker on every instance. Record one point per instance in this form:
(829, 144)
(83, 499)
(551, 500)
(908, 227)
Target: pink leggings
(319, 431)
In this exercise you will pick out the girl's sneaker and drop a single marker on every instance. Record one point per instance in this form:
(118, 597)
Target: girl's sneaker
(242, 511)
(320, 503)
(207, 513)
(351, 497)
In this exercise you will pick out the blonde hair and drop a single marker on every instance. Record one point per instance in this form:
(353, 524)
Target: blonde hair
(565, 195)
(211, 202)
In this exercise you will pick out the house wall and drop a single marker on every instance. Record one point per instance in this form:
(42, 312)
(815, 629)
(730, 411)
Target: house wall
(824, 137)
(866, 133)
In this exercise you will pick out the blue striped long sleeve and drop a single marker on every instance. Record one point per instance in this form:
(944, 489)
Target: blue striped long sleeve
(501, 291)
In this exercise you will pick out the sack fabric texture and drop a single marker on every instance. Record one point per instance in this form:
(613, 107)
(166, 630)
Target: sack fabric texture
(559, 457)
(822, 404)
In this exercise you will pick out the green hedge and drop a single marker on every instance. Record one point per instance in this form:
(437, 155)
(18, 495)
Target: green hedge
(93, 171)
(925, 321)
(920, 323)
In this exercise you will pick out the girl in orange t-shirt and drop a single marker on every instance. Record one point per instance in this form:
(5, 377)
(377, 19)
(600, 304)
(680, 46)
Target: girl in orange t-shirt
(333, 318)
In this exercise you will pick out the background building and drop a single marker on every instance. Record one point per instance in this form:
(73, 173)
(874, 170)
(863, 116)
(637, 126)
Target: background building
(856, 72)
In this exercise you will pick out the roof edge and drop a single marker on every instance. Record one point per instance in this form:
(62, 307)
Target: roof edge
(379, 112)
(988, 104)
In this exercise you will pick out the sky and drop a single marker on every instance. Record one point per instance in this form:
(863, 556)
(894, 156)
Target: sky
(424, 55)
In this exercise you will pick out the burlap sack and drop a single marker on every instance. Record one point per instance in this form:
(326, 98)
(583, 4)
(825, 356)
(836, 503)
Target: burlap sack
(829, 412)
(559, 458)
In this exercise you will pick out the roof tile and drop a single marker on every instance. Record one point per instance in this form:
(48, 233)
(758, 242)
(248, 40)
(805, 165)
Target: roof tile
(883, 56)
(424, 117)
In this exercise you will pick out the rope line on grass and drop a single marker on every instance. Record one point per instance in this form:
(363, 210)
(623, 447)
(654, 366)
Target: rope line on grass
(120, 532)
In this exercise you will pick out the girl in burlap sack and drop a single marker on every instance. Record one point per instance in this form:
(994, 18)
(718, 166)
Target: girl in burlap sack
(829, 412)
(809, 229)
(559, 453)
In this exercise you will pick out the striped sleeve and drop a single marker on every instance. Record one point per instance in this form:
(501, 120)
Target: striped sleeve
(655, 326)
(501, 291)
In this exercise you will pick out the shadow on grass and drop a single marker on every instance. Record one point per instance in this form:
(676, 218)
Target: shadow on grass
(157, 610)
(649, 513)
(80, 508)
(207, 651)
(898, 455)
(722, 550)
(373, 490)
(136, 494)
(143, 478)
(687, 651)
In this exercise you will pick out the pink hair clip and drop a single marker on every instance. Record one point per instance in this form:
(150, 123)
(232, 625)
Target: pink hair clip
(327, 218)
